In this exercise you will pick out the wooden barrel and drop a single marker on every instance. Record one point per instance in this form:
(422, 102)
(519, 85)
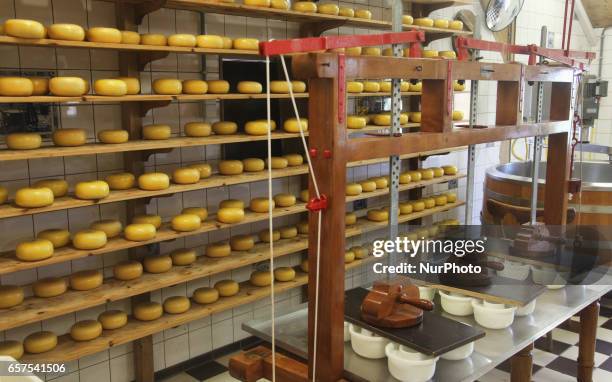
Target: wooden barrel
(507, 193)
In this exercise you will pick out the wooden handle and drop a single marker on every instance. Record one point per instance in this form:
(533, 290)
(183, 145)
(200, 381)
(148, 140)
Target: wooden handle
(417, 302)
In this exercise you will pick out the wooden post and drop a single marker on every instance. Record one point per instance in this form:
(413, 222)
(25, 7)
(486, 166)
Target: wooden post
(521, 364)
(586, 343)
(327, 134)
(436, 107)
(508, 101)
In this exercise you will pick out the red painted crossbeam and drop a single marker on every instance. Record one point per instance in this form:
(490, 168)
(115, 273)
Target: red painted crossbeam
(313, 44)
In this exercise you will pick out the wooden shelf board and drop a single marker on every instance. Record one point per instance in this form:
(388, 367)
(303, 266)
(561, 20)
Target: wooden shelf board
(371, 128)
(380, 94)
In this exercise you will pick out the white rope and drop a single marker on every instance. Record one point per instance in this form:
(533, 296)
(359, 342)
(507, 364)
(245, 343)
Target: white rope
(270, 220)
(319, 218)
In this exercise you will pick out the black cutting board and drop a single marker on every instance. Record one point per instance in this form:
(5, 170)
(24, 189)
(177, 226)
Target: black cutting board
(434, 336)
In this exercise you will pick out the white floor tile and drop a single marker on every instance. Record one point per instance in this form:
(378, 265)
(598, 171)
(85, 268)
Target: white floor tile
(542, 358)
(565, 336)
(600, 375)
(495, 375)
(604, 334)
(572, 353)
(548, 375)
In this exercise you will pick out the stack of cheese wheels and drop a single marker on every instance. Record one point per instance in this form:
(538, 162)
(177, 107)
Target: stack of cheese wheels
(242, 242)
(246, 44)
(186, 222)
(231, 167)
(227, 288)
(186, 175)
(157, 264)
(121, 181)
(417, 205)
(110, 87)
(182, 40)
(68, 86)
(86, 330)
(260, 278)
(259, 127)
(426, 173)
(40, 342)
(346, 12)
(424, 22)
(10, 295)
(24, 28)
(127, 270)
(132, 83)
(168, 86)
(363, 14)
(225, 127)
(69, 137)
(261, 205)
(278, 163)
(284, 200)
(113, 319)
(218, 86)
(210, 41)
(16, 87)
(456, 25)
(86, 280)
(141, 231)
(354, 87)
(441, 200)
(304, 6)
(33, 197)
(253, 164)
(153, 181)
(153, 39)
(204, 168)
(284, 274)
(92, 190)
(113, 136)
(279, 4)
(378, 215)
(35, 250)
(249, 87)
(176, 304)
(292, 125)
(197, 129)
(437, 171)
(130, 37)
(219, 249)
(49, 287)
(58, 237)
(156, 132)
(367, 185)
(183, 256)
(356, 122)
(104, 35)
(441, 23)
(147, 311)
(429, 202)
(205, 295)
(230, 215)
(22, 141)
(294, 159)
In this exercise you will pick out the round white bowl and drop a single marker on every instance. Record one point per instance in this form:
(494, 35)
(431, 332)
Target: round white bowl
(427, 293)
(493, 318)
(514, 270)
(456, 304)
(493, 305)
(347, 333)
(526, 309)
(366, 343)
(407, 353)
(462, 352)
(409, 370)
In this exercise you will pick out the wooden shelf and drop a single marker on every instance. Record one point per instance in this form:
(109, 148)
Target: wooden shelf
(371, 128)
(9, 263)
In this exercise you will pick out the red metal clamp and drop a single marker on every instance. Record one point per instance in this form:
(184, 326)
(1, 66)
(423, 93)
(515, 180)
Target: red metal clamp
(317, 204)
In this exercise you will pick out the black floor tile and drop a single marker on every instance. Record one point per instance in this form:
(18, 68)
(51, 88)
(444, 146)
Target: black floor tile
(606, 365)
(603, 347)
(607, 324)
(535, 368)
(206, 370)
(558, 347)
(564, 365)
(505, 366)
(605, 311)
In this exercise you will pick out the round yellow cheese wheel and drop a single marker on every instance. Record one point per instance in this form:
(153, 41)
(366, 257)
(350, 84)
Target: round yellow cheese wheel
(350, 218)
(385, 86)
(130, 37)
(58, 237)
(328, 9)
(371, 86)
(426, 173)
(424, 22)
(459, 86)
(69, 137)
(86, 330)
(404, 178)
(363, 14)
(204, 168)
(260, 278)
(349, 256)
(227, 288)
(302, 227)
(371, 51)
(153, 39)
(288, 232)
(132, 83)
(359, 251)
(183, 256)
(11, 348)
(294, 159)
(378, 215)
(230, 215)
(230, 167)
(451, 197)
(430, 53)
(228, 43)
(279, 163)
(291, 125)
(10, 295)
(31, 197)
(34, 250)
(186, 222)
(205, 295)
(113, 136)
(154, 181)
(441, 23)
(169, 86)
(418, 87)
(218, 87)
(457, 115)
(284, 200)
(280, 87)
(258, 127)
(415, 176)
(280, 4)
(195, 87)
(407, 20)
(40, 85)
(353, 189)
(429, 202)
(415, 116)
(200, 212)
(438, 171)
(305, 196)
(387, 52)
(354, 87)
(24, 28)
(86, 280)
(241, 242)
(417, 205)
(120, 181)
(110, 87)
(182, 39)
(49, 287)
(346, 12)
(113, 319)
(298, 86)
(225, 127)
(176, 304)
(367, 185)
(231, 203)
(92, 190)
(106, 35)
(404, 86)
(382, 119)
(381, 182)
(249, 87)
(147, 311)
(154, 220)
(210, 41)
(253, 164)
(3, 195)
(456, 25)
(260, 204)
(304, 6)
(441, 200)
(111, 227)
(127, 270)
(23, 141)
(40, 342)
(157, 264)
(59, 187)
(219, 249)
(68, 86)
(284, 274)
(186, 175)
(353, 51)
(450, 54)
(140, 231)
(257, 3)
(304, 265)
(265, 235)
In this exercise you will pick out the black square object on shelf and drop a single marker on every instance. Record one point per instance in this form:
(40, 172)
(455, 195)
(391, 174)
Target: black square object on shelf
(206, 370)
